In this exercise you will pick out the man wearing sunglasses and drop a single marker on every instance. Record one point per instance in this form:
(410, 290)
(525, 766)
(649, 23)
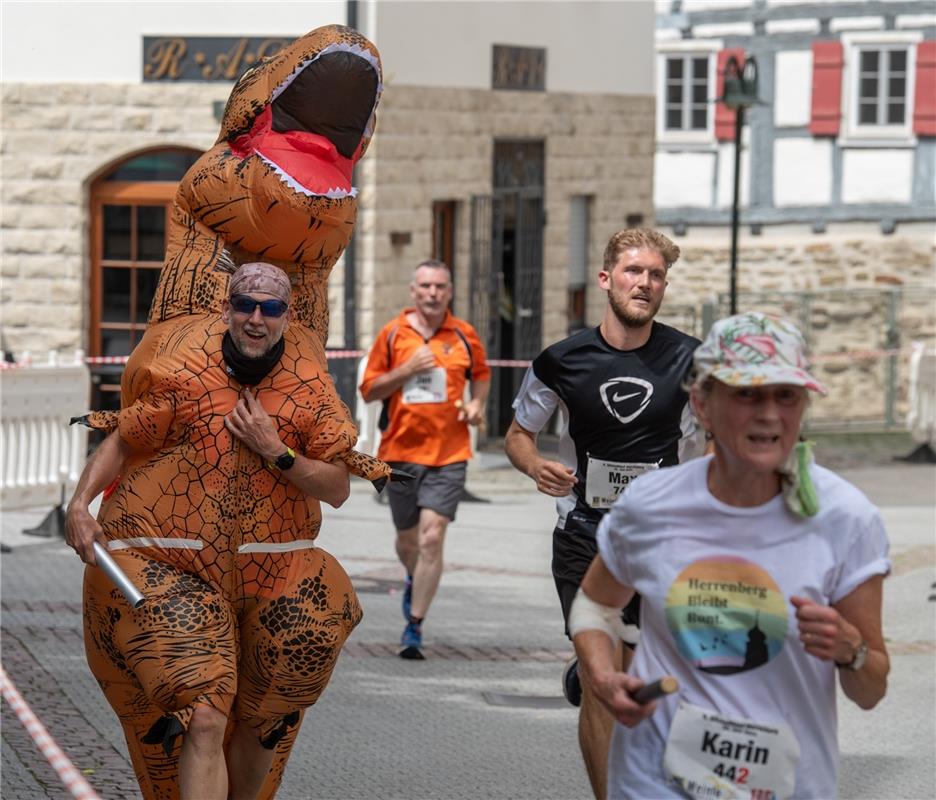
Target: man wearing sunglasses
(226, 444)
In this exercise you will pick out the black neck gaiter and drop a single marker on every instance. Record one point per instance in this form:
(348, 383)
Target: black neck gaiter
(249, 371)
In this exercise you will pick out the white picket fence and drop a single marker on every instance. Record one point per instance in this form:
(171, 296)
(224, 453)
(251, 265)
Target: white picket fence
(41, 456)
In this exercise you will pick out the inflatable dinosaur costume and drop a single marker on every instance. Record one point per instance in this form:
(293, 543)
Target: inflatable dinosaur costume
(243, 613)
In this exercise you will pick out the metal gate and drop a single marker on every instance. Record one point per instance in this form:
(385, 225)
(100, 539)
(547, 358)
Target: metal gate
(506, 291)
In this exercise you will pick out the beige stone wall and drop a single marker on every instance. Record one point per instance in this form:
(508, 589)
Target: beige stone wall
(854, 292)
(437, 144)
(56, 139)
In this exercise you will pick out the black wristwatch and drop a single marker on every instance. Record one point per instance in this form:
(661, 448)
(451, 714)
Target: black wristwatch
(283, 462)
(858, 659)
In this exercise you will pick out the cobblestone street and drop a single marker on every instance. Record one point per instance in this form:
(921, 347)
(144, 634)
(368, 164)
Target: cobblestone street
(434, 729)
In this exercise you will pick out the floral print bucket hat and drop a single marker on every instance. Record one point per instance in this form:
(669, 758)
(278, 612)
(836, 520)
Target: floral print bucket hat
(755, 349)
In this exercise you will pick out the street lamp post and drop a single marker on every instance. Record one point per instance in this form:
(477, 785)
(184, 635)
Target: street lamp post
(740, 94)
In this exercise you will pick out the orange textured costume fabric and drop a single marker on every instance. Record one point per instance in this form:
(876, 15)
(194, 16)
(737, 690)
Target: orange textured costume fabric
(242, 612)
(427, 433)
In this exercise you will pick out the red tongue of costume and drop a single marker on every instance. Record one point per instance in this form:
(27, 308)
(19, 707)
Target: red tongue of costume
(308, 158)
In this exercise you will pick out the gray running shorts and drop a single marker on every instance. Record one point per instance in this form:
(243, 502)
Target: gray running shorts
(438, 488)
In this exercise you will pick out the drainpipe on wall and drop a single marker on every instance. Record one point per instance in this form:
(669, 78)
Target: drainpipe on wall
(350, 261)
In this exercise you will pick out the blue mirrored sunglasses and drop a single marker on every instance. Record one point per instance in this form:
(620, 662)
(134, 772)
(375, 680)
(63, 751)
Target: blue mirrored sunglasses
(245, 304)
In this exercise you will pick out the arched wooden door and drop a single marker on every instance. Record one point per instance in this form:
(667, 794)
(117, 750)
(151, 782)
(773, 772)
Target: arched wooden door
(130, 207)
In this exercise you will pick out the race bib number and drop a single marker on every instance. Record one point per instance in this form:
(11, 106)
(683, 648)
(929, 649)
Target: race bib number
(713, 756)
(426, 387)
(605, 480)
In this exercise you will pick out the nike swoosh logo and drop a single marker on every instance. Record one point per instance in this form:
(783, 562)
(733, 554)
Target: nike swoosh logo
(619, 397)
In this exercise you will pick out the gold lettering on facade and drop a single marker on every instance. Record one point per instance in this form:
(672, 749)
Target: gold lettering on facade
(163, 59)
(207, 59)
(270, 47)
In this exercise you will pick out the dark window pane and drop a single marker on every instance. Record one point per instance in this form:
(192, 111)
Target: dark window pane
(105, 399)
(700, 68)
(115, 305)
(898, 61)
(867, 114)
(674, 68)
(673, 119)
(115, 343)
(699, 94)
(895, 113)
(869, 88)
(699, 119)
(673, 95)
(869, 60)
(117, 232)
(151, 233)
(146, 280)
(168, 166)
(896, 88)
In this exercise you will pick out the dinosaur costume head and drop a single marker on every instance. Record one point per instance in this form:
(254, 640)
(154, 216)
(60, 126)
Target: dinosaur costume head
(276, 186)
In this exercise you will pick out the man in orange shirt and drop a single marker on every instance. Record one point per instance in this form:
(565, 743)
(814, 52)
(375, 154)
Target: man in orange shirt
(419, 366)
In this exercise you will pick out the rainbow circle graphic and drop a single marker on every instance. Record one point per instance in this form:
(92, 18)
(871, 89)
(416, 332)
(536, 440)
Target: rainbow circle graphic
(727, 615)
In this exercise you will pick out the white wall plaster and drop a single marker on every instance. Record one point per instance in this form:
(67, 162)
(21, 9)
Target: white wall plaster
(877, 176)
(856, 24)
(792, 88)
(683, 179)
(102, 42)
(792, 26)
(802, 172)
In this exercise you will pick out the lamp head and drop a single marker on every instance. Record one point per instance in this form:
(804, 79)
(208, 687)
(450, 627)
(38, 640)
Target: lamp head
(740, 83)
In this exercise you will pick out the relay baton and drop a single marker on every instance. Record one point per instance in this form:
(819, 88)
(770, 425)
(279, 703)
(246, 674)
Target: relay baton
(117, 575)
(654, 691)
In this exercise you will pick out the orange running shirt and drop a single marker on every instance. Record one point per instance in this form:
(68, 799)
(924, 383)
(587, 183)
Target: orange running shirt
(427, 433)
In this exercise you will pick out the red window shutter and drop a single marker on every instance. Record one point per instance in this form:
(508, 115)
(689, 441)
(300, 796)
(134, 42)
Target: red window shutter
(724, 116)
(826, 117)
(924, 96)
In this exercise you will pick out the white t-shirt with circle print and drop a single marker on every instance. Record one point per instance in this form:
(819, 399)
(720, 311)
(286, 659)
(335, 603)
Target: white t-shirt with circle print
(716, 582)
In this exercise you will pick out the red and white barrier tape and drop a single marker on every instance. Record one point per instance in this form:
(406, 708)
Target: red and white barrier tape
(79, 788)
(499, 362)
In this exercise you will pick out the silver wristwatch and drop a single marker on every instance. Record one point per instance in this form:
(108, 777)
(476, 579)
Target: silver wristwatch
(858, 660)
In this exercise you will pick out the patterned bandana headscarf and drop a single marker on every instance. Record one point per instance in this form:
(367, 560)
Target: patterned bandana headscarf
(755, 349)
(258, 276)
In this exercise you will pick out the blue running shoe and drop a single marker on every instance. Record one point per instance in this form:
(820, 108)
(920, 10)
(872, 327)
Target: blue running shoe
(408, 597)
(412, 642)
(571, 685)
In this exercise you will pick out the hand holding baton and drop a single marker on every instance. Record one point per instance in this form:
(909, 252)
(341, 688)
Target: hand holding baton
(654, 691)
(117, 575)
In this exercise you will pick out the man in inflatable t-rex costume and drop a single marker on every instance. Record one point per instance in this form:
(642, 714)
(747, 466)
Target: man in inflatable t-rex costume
(244, 618)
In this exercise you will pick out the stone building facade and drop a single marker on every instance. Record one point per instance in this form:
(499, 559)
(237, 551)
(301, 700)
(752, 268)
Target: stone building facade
(837, 175)
(502, 127)
(58, 138)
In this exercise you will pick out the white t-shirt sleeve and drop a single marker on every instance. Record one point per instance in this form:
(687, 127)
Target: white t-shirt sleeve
(534, 404)
(865, 555)
(691, 436)
(612, 540)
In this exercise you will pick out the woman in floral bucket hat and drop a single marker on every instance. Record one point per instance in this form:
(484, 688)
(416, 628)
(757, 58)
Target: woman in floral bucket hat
(761, 575)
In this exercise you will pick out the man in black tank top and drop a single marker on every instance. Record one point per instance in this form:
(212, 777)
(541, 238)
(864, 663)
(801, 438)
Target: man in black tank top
(623, 411)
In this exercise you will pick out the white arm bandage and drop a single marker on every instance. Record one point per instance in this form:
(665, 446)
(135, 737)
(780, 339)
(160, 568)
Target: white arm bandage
(587, 615)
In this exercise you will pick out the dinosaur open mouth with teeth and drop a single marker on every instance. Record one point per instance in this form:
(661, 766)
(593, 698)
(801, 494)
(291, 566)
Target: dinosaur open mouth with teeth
(311, 132)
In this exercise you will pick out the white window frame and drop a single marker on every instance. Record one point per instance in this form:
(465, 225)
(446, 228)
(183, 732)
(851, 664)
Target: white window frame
(854, 133)
(694, 49)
